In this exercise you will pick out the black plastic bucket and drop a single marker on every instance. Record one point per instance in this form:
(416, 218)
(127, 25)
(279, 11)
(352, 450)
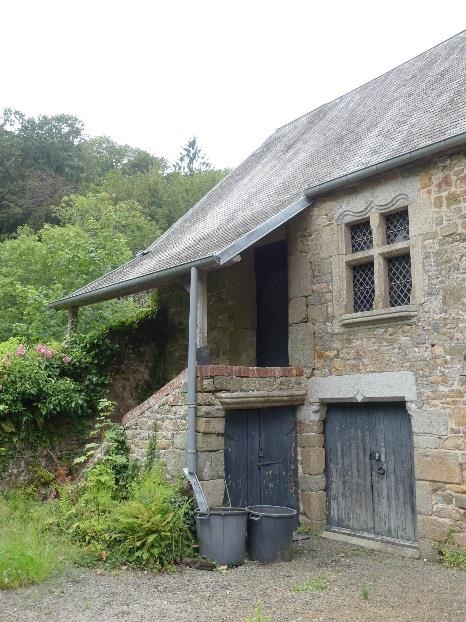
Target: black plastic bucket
(270, 533)
(222, 535)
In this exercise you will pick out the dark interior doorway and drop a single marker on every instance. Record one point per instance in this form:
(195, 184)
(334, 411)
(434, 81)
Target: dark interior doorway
(271, 263)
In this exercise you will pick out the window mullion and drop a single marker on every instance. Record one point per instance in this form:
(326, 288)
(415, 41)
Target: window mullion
(380, 270)
(381, 282)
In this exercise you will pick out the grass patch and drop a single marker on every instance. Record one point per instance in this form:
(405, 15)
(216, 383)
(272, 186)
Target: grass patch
(364, 591)
(453, 556)
(27, 553)
(26, 557)
(258, 615)
(318, 584)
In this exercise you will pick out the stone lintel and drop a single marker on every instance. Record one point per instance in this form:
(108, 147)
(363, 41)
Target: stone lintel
(242, 371)
(241, 400)
(384, 386)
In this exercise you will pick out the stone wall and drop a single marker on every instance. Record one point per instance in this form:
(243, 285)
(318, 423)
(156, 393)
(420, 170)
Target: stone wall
(428, 340)
(130, 379)
(231, 317)
(26, 463)
(159, 425)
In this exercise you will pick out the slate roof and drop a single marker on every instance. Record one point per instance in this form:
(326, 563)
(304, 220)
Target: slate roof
(420, 102)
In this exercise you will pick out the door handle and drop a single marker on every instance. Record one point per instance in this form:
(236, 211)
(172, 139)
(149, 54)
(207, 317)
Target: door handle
(381, 470)
(261, 464)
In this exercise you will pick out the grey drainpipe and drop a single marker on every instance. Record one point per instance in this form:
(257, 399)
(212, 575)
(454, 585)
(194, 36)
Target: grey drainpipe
(192, 373)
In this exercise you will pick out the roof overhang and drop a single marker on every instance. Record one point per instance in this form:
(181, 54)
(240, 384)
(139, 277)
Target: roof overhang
(155, 279)
(132, 286)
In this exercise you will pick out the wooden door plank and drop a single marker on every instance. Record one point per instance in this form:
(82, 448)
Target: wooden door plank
(279, 470)
(399, 473)
(236, 457)
(348, 468)
(253, 448)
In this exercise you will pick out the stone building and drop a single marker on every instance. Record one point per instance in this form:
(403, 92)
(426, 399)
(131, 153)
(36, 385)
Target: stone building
(331, 316)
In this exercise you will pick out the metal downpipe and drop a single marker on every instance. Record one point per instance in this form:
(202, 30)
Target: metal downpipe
(192, 372)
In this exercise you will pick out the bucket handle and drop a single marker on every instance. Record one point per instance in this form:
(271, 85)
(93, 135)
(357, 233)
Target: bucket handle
(254, 516)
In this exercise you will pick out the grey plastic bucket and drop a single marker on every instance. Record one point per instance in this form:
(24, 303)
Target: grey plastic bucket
(222, 535)
(270, 533)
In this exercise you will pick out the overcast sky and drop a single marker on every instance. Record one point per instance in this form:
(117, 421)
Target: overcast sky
(152, 73)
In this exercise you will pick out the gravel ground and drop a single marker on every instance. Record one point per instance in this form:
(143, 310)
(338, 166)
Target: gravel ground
(397, 590)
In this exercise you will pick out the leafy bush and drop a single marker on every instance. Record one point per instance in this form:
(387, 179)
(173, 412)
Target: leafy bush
(41, 387)
(150, 529)
(47, 388)
(36, 386)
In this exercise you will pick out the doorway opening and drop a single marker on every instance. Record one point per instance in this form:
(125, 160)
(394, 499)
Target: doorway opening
(271, 263)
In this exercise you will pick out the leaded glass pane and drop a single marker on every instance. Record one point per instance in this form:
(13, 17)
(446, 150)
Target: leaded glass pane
(361, 237)
(399, 280)
(363, 287)
(397, 227)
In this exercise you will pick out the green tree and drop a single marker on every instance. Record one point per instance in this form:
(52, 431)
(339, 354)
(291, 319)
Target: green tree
(102, 203)
(11, 181)
(163, 197)
(40, 162)
(36, 268)
(101, 155)
(49, 144)
(95, 213)
(191, 159)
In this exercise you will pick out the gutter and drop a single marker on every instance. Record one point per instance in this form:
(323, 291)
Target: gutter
(250, 238)
(124, 288)
(387, 165)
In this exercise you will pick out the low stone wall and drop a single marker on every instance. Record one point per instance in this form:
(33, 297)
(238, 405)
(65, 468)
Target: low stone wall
(159, 425)
(25, 463)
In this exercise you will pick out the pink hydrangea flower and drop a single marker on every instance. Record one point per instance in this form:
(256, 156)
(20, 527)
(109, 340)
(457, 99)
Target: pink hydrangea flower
(67, 359)
(44, 351)
(20, 350)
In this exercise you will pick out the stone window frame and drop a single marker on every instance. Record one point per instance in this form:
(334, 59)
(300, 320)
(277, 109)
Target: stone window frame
(379, 254)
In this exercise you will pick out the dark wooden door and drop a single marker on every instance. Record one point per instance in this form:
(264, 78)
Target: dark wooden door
(370, 470)
(271, 263)
(260, 457)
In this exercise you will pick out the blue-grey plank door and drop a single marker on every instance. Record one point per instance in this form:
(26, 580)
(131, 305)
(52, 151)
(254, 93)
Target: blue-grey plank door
(370, 470)
(260, 457)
